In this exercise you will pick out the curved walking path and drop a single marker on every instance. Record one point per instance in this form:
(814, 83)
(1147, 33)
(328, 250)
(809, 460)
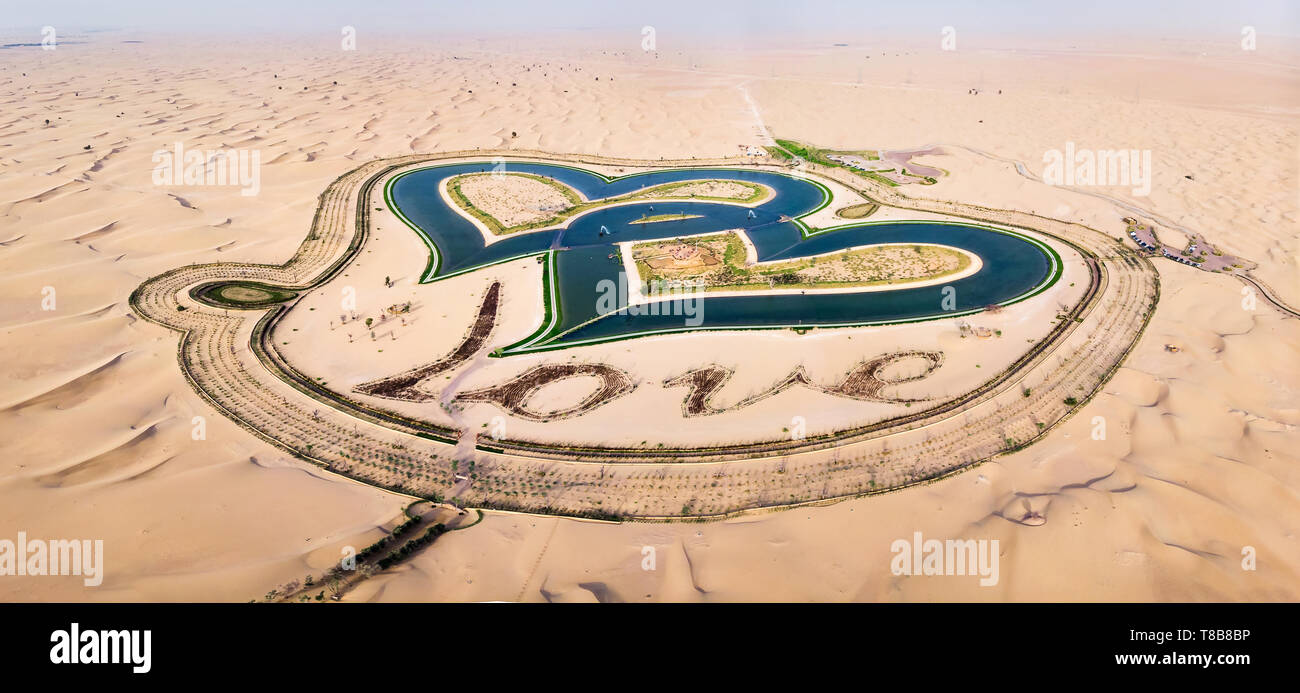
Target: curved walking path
(228, 359)
(1267, 292)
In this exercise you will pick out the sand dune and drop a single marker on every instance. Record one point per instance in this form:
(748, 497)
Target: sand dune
(126, 460)
(1199, 456)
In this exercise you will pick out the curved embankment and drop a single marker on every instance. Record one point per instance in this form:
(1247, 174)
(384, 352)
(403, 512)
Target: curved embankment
(259, 390)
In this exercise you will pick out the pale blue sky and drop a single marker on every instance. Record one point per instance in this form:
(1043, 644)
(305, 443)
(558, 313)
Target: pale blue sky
(853, 19)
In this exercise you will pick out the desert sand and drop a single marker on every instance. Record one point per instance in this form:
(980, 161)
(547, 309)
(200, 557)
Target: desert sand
(505, 196)
(106, 439)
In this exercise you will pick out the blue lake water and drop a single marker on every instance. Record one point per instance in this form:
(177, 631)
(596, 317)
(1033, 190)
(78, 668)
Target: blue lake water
(1013, 265)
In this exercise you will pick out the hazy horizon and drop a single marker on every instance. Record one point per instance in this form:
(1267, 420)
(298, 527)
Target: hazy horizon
(723, 19)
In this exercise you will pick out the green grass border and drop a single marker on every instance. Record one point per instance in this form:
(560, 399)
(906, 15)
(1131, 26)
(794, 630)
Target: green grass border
(434, 264)
(209, 294)
(1057, 269)
(552, 313)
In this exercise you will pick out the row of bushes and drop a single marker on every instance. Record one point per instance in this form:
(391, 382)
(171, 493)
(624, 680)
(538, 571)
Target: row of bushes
(412, 546)
(380, 545)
